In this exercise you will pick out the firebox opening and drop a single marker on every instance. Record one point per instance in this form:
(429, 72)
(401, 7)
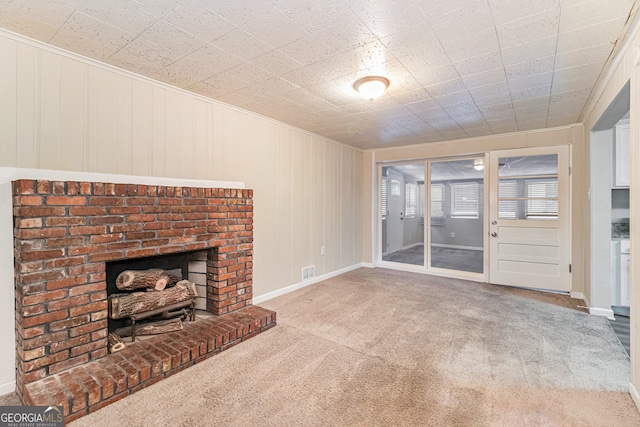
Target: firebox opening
(193, 266)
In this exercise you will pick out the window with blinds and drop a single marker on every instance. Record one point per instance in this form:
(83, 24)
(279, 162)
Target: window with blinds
(464, 200)
(437, 200)
(507, 189)
(411, 199)
(384, 208)
(542, 198)
(421, 200)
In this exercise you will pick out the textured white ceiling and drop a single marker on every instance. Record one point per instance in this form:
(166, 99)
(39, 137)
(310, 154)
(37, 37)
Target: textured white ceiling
(458, 68)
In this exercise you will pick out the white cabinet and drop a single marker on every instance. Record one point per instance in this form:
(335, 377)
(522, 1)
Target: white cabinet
(620, 266)
(625, 266)
(621, 164)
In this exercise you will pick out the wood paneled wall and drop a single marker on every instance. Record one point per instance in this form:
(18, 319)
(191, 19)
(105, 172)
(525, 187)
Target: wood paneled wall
(64, 112)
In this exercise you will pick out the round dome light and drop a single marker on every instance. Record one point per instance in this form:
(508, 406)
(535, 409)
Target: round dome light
(371, 87)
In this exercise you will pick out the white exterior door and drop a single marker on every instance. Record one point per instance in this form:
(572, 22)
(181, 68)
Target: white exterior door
(395, 216)
(529, 221)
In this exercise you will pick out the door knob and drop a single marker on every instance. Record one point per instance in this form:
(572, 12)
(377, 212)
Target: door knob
(494, 222)
(494, 234)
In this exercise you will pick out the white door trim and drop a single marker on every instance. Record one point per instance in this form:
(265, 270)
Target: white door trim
(559, 280)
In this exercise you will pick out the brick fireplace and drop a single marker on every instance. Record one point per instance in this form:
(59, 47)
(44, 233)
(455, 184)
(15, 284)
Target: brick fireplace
(66, 232)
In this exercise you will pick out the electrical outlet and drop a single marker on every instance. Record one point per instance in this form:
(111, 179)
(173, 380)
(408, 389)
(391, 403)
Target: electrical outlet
(453, 234)
(322, 250)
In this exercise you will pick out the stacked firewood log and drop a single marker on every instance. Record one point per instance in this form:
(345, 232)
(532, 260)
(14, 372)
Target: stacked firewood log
(154, 290)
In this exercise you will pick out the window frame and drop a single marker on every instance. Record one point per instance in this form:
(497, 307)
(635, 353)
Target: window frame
(458, 212)
(542, 215)
(410, 199)
(441, 201)
(384, 198)
(512, 199)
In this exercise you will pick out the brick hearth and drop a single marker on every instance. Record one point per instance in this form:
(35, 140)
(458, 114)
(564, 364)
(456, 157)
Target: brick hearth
(94, 385)
(65, 232)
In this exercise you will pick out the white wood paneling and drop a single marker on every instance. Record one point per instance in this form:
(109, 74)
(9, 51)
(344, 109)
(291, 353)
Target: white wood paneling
(318, 207)
(50, 125)
(65, 112)
(297, 204)
(175, 143)
(8, 101)
(72, 107)
(103, 121)
(283, 198)
(141, 148)
(28, 111)
(333, 209)
(360, 187)
(346, 210)
(158, 133)
(124, 125)
(202, 136)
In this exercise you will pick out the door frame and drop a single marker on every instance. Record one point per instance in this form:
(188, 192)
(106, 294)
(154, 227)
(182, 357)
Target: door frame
(564, 206)
(426, 269)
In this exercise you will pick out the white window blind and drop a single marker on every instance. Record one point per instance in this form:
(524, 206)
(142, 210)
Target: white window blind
(421, 200)
(384, 208)
(507, 209)
(464, 200)
(542, 198)
(411, 199)
(437, 200)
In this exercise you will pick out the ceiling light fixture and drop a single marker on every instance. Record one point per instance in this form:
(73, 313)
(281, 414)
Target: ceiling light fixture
(478, 164)
(371, 87)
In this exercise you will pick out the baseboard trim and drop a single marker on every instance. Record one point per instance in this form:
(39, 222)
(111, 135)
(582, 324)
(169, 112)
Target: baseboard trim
(607, 312)
(634, 395)
(368, 265)
(577, 295)
(470, 248)
(7, 388)
(413, 245)
(299, 285)
(472, 277)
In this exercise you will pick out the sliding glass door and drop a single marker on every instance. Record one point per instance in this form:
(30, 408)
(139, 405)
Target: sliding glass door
(457, 215)
(506, 223)
(402, 214)
(440, 203)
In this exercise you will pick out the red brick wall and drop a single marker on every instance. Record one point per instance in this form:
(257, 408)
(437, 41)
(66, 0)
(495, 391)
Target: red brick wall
(65, 232)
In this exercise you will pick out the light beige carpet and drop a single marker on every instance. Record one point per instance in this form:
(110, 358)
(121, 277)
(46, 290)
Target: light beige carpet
(376, 347)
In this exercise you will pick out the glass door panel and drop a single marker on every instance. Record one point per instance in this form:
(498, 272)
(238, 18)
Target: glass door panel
(528, 187)
(457, 215)
(402, 214)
